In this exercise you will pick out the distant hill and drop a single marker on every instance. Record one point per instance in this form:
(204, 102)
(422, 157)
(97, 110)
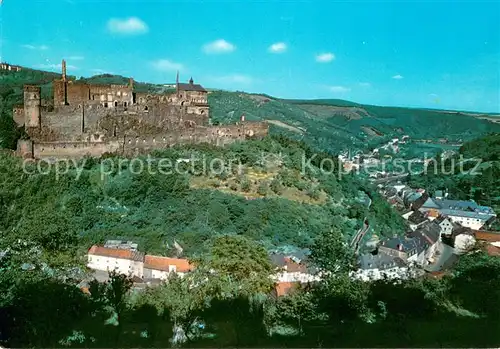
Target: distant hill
(336, 125)
(327, 124)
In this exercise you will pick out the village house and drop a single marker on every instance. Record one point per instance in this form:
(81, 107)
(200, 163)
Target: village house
(157, 267)
(126, 260)
(290, 269)
(468, 213)
(400, 257)
(380, 266)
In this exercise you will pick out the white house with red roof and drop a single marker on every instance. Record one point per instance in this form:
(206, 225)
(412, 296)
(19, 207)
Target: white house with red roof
(132, 263)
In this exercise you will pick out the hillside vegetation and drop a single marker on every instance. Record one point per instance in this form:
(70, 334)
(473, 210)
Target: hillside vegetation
(290, 207)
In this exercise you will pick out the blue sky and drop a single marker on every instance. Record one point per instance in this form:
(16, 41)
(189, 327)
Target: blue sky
(421, 54)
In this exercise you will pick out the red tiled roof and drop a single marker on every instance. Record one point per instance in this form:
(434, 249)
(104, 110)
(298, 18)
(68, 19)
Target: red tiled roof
(492, 250)
(486, 235)
(163, 263)
(114, 253)
(292, 267)
(284, 288)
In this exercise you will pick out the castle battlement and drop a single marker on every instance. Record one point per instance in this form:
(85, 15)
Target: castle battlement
(88, 119)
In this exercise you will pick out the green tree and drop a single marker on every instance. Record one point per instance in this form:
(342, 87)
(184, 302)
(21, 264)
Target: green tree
(331, 254)
(235, 265)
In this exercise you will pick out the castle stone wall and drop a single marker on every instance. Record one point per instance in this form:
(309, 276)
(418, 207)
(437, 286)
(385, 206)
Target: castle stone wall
(97, 145)
(75, 150)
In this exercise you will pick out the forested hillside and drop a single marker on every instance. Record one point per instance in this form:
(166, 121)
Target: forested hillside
(288, 207)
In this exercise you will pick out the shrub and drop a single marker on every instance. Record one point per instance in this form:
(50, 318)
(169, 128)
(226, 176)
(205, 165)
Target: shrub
(263, 188)
(245, 185)
(276, 186)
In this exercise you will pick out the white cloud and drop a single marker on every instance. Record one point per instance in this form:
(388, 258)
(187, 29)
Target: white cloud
(34, 47)
(397, 77)
(325, 57)
(167, 65)
(219, 46)
(339, 89)
(75, 58)
(365, 84)
(55, 66)
(277, 47)
(234, 79)
(129, 26)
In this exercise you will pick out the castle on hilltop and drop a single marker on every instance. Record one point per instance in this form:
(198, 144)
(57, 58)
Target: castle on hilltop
(87, 119)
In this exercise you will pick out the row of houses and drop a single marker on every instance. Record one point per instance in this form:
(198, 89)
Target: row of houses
(440, 230)
(9, 67)
(125, 258)
(467, 213)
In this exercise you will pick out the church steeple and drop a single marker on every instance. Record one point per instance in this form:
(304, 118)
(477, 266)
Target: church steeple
(191, 81)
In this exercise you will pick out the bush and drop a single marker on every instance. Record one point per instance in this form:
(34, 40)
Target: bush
(263, 188)
(276, 186)
(245, 185)
(313, 193)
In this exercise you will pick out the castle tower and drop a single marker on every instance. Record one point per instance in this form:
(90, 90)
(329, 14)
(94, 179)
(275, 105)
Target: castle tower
(131, 83)
(32, 102)
(63, 66)
(191, 81)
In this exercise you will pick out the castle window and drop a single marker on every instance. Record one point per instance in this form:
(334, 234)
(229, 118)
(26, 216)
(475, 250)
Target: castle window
(125, 104)
(105, 104)
(146, 108)
(116, 104)
(79, 106)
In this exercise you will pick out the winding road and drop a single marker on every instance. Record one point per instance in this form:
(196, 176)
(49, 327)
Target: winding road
(360, 235)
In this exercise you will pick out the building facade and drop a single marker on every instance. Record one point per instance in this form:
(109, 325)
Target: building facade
(130, 262)
(467, 213)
